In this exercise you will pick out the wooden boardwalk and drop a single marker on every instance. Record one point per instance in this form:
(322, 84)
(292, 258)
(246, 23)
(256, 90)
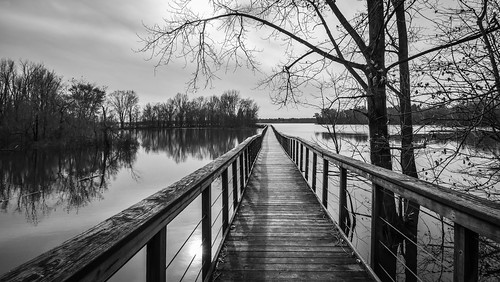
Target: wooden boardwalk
(280, 231)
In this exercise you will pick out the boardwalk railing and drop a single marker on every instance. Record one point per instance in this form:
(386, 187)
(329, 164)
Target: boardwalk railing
(354, 193)
(96, 254)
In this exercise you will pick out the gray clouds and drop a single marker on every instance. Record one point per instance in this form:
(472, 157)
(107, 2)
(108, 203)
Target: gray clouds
(96, 40)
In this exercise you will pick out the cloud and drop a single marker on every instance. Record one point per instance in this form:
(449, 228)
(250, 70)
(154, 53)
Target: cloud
(96, 40)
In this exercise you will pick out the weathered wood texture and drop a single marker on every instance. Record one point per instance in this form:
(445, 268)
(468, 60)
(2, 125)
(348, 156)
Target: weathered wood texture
(281, 232)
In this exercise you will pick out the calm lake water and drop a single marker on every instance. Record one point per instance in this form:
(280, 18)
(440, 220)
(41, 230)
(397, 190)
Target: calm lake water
(49, 196)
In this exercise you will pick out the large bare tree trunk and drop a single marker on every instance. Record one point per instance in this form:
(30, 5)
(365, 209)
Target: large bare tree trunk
(383, 242)
(410, 210)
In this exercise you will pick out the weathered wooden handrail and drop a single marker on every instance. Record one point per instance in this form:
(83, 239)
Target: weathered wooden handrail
(96, 254)
(472, 216)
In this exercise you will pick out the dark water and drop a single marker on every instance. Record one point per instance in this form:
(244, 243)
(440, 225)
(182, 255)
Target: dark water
(48, 196)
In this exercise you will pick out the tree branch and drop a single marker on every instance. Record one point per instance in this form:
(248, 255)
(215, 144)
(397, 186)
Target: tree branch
(451, 44)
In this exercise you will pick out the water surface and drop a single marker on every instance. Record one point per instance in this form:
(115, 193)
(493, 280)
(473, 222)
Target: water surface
(48, 196)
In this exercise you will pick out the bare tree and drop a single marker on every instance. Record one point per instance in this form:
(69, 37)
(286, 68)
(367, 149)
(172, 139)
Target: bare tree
(317, 37)
(123, 103)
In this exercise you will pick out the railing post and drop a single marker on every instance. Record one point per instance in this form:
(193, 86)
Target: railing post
(343, 214)
(253, 152)
(206, 231)
(296, 152)
(382, 261)
(314, 171)
(242, 174)
(301, 157)
(374, 244)
(307, 164)
(247, 164)
(156, 257)
(235, 183)
(325, 184)
(225, 201)
(292, 154)
(466, 254)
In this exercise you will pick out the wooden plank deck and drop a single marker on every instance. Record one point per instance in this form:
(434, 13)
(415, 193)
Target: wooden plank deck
(280, 231)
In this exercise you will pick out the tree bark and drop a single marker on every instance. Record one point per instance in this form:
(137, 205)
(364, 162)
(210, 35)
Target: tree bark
(383, 243)
(410, 210)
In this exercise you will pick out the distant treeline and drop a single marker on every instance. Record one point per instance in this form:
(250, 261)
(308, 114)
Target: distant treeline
(287, 120)
(38, 108)
(228, 110)
(458, 115)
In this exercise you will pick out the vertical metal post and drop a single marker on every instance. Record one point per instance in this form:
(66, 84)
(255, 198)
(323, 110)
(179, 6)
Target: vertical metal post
(225, 201)
(156, 257)
(325, 184)
(307, 164)
(206, 231)
(466, 254)
(343, 214)
(235, 183)
(314, 171)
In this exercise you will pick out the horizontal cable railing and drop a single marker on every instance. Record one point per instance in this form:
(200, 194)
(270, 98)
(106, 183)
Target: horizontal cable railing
(98, 253)
(415, 230)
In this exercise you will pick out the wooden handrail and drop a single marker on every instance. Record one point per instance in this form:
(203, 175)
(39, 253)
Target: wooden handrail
(96, 254)
(472, 215)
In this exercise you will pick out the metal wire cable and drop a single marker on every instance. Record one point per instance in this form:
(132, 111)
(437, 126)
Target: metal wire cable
(216, 236)
(191, 262)
(217, 217)
(387, 274)
(414, 243)
(400, 261)
(215, 201)
(184, 244)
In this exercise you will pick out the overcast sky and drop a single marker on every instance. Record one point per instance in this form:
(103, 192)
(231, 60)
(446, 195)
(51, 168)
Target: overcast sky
(96, 39)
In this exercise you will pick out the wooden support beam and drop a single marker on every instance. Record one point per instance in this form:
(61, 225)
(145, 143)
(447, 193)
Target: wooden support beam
(225, 201)
(242, 174)
(156, 257)
(314, 171)
(375, 226)
(325, 184)
(206, 231)
(307, 164)
(466, 255)
(301, 157)
(247, 164)
(343, 212)
(235, 184)
(296, 152)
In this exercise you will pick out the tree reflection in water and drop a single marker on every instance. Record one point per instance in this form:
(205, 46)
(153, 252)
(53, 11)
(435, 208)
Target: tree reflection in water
(37, 182)
(180, 143)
